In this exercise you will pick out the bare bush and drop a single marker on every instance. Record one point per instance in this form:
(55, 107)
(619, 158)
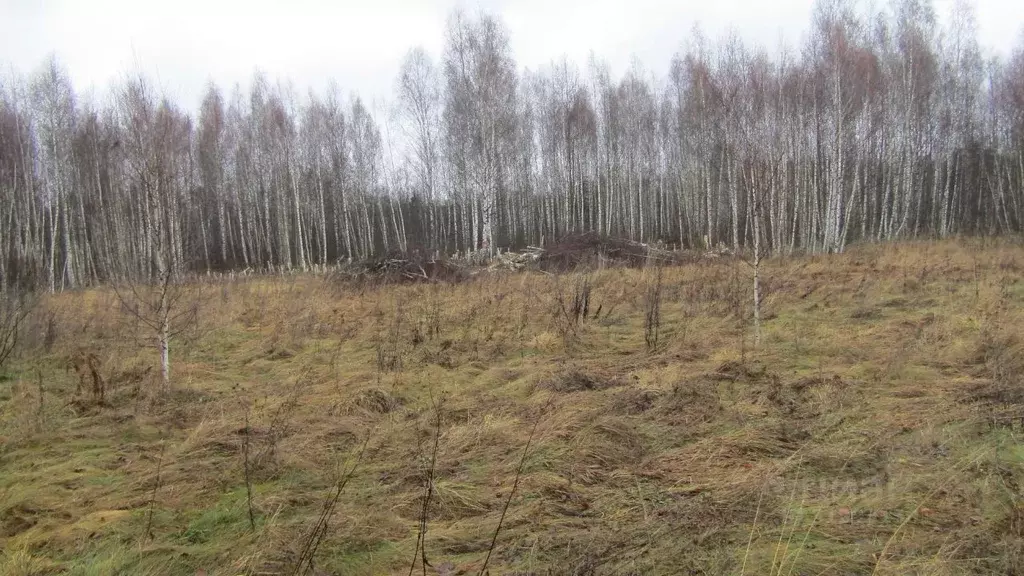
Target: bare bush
(13, 310)
(388, 341)
(574, 308)
(652, 312)
(86, 365)
(311, 542)
(278, 423)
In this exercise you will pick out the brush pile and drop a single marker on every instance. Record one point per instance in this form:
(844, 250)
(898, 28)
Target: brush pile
(585, 250)
(397, 268)
(581, 250)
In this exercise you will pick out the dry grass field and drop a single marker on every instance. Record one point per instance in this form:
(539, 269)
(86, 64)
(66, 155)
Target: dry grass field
(875, 429)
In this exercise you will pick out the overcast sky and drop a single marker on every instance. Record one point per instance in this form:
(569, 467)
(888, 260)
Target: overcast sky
(183, 44)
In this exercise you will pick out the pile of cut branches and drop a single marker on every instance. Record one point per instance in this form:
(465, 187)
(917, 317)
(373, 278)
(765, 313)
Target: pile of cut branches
(397, 268)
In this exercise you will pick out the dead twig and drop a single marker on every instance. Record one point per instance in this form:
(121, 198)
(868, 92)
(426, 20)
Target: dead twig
(248, 476)
(428, 491)
(512, 493)
(147, 534)
(304, 565)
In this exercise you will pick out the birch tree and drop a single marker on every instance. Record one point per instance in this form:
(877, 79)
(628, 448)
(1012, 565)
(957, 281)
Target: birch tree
(880, 126)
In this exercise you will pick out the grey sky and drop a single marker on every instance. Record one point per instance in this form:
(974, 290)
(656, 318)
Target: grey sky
(185, 43)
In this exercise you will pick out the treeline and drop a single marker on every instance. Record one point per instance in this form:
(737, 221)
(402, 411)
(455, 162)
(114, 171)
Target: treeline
(880, 126)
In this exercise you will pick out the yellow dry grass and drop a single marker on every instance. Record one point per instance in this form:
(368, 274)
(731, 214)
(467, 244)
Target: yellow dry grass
(875, 430)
